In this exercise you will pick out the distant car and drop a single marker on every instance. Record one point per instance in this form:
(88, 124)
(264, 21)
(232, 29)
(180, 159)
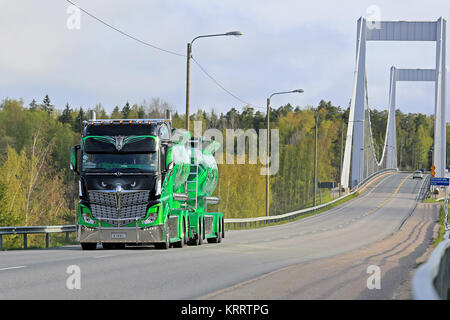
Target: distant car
(418, 175)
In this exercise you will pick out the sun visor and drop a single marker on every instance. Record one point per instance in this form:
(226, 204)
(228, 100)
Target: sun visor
(119, 144)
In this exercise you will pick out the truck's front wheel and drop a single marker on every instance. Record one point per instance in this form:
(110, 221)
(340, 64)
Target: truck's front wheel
(164, 245)
(200, 233)
(181, 243)
(219, 233)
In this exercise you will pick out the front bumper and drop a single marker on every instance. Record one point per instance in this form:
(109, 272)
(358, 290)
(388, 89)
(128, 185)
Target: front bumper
(149, 235)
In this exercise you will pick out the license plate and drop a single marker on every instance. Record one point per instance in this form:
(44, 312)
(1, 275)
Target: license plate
(118, 235)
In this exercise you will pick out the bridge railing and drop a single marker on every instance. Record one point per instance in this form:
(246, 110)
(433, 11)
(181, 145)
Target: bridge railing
(235, 223)
(242, 223)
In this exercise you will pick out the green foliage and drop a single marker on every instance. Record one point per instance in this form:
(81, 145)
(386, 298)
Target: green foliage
(36, 186)
(441, 223)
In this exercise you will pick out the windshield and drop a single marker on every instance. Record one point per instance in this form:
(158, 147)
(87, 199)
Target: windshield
(109, 162)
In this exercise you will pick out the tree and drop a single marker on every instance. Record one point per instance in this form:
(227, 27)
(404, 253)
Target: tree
(126, 110)
(66, 116)
(78, 121)
(46, 105)
(116, 114)
(33, 105)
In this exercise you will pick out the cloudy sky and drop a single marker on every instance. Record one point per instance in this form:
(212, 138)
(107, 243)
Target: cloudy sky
(286, 45)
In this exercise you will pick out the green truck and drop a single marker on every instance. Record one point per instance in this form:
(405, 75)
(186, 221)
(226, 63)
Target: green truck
(141, 182)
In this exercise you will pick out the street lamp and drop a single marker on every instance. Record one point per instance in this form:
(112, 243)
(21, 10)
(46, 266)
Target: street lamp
(188, 68)
(268, 145)
(361, 167)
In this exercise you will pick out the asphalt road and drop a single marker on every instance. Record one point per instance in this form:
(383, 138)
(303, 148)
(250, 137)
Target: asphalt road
(249, 264)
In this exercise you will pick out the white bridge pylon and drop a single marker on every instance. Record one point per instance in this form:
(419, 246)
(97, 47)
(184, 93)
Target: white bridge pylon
(359, 154)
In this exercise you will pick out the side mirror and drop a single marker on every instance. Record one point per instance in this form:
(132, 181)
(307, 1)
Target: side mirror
(74, 158)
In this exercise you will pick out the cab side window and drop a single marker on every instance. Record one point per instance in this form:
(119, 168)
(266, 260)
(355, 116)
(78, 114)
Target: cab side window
(164, 132)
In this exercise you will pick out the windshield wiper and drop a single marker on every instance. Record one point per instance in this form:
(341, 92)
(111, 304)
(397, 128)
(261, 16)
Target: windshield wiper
(98, 170)
(134, 170)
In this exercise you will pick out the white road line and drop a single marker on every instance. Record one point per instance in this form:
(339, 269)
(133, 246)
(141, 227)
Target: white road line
(10, 268)
(104, 256)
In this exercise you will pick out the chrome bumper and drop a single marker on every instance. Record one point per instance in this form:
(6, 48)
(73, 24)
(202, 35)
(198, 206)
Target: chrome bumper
(152, 234)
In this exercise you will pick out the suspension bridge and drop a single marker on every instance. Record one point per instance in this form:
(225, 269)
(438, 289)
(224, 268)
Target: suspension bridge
(360, 160)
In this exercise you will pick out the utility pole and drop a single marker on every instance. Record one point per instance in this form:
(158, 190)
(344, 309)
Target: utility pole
(315, 160)
(340, 163)
(267, 158)
(188, 83)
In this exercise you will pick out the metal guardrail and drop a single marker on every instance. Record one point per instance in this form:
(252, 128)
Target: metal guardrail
(432, 280)
(35, 230)
(424, 189)
(245, 222)
(242, 222)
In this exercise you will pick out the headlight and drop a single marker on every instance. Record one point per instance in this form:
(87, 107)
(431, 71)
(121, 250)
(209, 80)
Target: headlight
(151, 218)
(87, 218)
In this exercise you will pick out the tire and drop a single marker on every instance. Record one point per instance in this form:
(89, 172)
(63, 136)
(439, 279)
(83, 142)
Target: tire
(186, 233)
(218, 238)
(223, 228)
(180, 244)
(219, 234)
(89, 246)
(200, 233)
(191, 241)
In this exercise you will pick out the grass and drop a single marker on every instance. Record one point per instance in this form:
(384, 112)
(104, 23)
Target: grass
(231, 227)
(441, 232)
(431, 200)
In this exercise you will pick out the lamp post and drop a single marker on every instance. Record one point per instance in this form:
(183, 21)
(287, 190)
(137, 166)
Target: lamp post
(315, 160)
(361, 167)
(268, 144)
(340, 162)
(188, 66)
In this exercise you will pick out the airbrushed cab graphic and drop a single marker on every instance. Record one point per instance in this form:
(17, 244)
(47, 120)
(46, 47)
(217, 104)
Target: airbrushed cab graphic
(142, 182)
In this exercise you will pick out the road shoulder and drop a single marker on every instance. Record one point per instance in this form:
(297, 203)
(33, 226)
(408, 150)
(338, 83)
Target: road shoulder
(346, 276)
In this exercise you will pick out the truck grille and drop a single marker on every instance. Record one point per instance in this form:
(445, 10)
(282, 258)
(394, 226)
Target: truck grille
(118, 208)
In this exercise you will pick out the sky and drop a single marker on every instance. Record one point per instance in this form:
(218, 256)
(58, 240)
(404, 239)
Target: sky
(285, 45)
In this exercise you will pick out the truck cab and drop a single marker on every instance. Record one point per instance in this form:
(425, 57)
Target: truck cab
(133, 187)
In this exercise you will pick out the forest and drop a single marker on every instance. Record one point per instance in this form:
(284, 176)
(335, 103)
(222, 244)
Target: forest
(37, 187)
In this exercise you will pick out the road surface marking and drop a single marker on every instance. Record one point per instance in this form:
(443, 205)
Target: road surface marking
(10, 268)
(104, 256)
(386, 201)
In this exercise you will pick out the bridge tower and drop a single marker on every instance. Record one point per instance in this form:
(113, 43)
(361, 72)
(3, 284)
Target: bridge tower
(359, 146)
